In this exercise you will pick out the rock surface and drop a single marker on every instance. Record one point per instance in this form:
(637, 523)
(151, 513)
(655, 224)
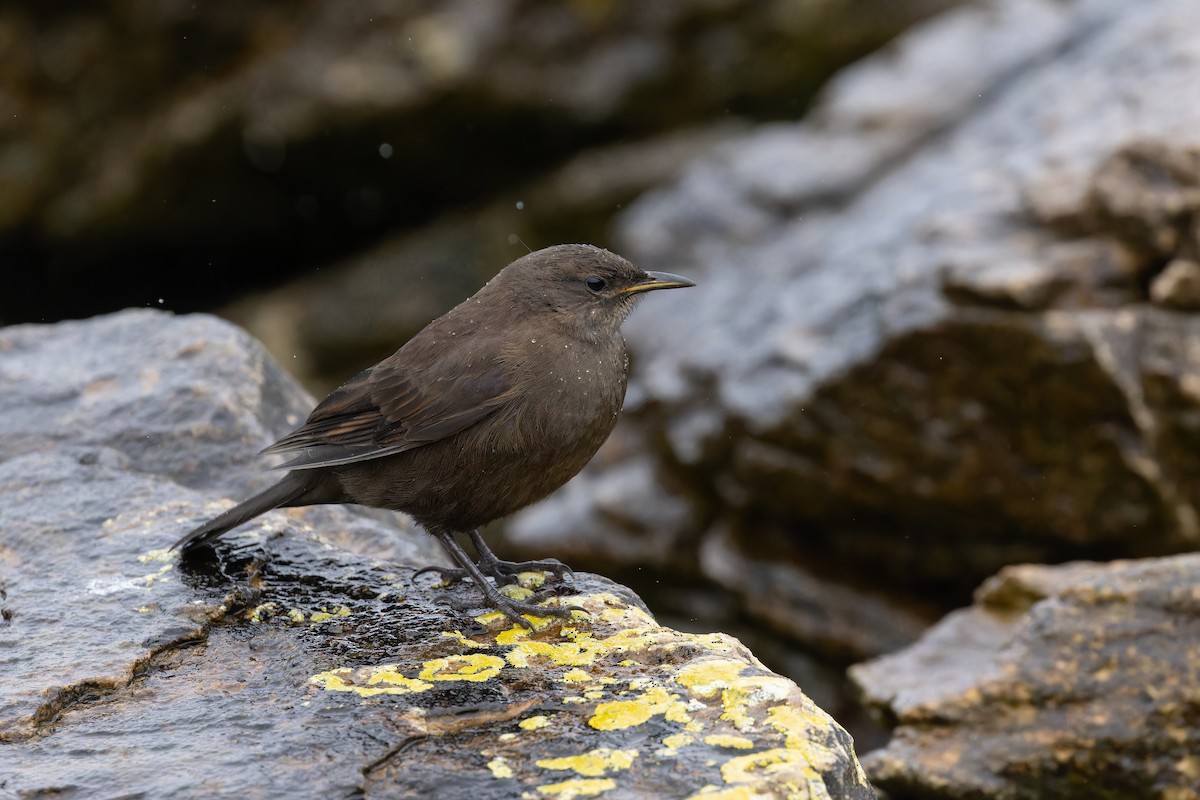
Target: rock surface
(922, 346)
(1077, 681)
(282, 665)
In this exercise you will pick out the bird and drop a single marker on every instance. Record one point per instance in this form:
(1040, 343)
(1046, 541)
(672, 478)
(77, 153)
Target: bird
(489, 408)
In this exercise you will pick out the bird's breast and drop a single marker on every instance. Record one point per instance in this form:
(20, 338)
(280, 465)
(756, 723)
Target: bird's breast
(570, 401)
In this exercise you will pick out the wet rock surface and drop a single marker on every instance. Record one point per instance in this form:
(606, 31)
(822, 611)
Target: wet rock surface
(923, 346)
(1076, 681)
(279, 664)
(191, 398)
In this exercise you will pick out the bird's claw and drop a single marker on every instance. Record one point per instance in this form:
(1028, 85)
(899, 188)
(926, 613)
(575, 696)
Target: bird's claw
(503, 572)
(516, 611)
(549, 565)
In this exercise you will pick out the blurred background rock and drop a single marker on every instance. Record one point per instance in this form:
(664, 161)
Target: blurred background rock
(181, 154)
(946, 314)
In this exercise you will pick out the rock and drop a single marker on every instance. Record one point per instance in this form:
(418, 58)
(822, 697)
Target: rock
(921, 347)
(1178, 286)
(192, 398)
(280, 663)
(1058, 681)
(277, 138)
(832, 619)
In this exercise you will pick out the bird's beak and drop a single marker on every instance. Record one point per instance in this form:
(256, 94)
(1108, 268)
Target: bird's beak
(658, 280)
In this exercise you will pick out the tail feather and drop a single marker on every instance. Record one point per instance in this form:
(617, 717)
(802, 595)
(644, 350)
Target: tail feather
(289, 489)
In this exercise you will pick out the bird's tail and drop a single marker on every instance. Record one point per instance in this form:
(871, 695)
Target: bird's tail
(284, 493)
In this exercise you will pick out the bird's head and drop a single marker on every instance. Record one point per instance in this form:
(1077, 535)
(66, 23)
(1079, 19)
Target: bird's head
(580, 284)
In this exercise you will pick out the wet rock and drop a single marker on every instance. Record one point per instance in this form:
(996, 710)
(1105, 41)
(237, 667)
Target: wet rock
(921, 346)
(1075, 681)
(188, 398)
(278, 663)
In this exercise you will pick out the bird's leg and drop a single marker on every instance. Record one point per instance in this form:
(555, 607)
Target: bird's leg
(513, 609)
(447, 574)
(504, 572)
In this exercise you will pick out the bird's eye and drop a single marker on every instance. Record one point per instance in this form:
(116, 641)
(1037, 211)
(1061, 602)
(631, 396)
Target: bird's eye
(594, 283)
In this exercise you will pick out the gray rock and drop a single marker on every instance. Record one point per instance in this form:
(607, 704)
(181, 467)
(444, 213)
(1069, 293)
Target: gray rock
(1057, 682)
(839, 622)
(921, 347)
(189, 398)
(281, 665)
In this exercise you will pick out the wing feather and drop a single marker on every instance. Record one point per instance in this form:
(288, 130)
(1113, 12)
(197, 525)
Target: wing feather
(402, 403)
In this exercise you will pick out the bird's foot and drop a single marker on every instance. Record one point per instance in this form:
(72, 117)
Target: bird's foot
(507, 571)
(503, 572)
(516, 610)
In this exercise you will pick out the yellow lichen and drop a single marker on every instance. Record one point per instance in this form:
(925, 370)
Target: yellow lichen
(533, 723)
(565, 654)
(581, 648)
(470, 667)
(533, 580)
(513, 635)
(489, 617)
(494, 616)
(295, 615)
(516, 592)
(593, 763)
(672, 743)
(500, 768)
(725, 740)
(753, 766)
(708, 677)
(655, 701)
(579, 787)
(739, 693)
(798, 724)
(262, 610)
(463, 640)
(576, 675)
(371, 681)
(325, 614)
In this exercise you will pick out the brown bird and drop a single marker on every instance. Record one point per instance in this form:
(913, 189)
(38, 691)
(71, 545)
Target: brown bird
(491, 407)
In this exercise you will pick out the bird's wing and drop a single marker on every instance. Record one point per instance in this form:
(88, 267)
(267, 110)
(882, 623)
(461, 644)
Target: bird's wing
(393, 407)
